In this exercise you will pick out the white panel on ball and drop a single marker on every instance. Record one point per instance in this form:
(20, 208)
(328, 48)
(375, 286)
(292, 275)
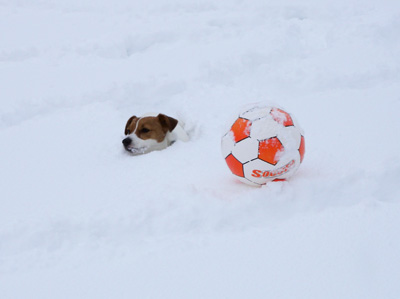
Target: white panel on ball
(227, 144)
(264, 128)
(290, 138)
(254, 170)
(246, 150)
(254, 113)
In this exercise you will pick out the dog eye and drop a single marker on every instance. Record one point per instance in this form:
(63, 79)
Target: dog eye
(144, 130)
(128, 132)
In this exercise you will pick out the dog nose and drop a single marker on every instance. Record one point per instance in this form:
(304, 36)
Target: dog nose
(127, 141)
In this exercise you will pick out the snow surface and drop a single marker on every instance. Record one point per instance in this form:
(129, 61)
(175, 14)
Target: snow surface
(80, 218)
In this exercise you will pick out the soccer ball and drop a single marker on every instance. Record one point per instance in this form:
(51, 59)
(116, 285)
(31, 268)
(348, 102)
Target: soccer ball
(264, 144)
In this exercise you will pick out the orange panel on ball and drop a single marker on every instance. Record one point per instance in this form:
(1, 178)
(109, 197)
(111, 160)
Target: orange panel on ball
(302, 149)
(234, 165)
(269, 150)
(241, 129)
(279, 180)
(282, 117)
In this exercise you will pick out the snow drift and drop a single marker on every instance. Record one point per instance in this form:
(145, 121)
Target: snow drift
(80, 218)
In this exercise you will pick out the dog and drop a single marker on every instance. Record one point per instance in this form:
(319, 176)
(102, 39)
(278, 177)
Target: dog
(152, 132)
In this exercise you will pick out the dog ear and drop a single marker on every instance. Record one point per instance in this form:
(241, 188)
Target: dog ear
(167, 123)
(127, 132)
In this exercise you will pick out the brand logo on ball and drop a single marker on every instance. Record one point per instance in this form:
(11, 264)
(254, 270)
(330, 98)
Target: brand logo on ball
(272, 173)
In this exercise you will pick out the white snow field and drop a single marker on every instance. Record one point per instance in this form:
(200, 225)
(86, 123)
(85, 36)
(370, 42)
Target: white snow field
(80, 218)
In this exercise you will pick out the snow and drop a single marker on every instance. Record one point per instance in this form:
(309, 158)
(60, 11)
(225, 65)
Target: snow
(80, 218)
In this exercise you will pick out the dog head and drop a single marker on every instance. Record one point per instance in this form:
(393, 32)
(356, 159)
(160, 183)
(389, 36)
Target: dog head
(148, 133)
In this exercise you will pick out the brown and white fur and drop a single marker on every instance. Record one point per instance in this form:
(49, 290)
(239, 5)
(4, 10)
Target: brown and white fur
(152, 132)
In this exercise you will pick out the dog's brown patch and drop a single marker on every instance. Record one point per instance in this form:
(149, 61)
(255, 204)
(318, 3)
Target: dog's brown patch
(167, 123)
(130, 125)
